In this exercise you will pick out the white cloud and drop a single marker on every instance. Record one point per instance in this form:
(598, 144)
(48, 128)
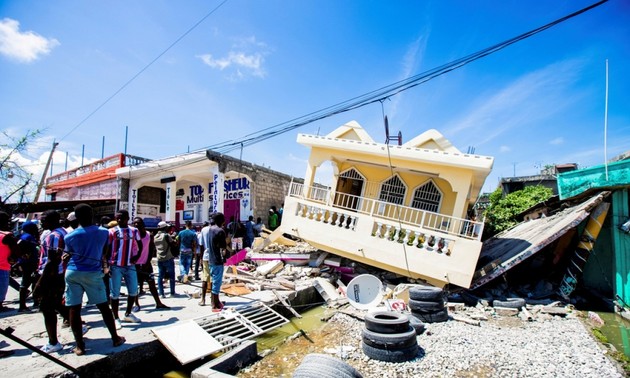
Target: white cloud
(525, 101)
(23, 46)
(411, 60)
(505, 149)
(557, 141)
(240, 59)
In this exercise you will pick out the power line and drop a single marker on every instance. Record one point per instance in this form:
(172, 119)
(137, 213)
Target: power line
(142, 70)
(383, 92)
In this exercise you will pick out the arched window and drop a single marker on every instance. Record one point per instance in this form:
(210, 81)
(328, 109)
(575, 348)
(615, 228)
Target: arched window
(427, 197)
(393, 191)
(351, 174)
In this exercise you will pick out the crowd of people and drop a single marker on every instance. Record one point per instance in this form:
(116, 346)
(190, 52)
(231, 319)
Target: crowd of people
(62, 263)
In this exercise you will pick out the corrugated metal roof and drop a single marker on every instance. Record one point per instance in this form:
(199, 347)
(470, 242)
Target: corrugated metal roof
(509, 248)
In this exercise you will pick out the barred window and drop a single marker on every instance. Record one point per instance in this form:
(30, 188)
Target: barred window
(351, 174)
(393, 191)
(427, 197)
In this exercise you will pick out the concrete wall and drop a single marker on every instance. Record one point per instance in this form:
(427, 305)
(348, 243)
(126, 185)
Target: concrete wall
(269, 187)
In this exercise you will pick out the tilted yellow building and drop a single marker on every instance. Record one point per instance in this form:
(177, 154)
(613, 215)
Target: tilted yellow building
(400, 208)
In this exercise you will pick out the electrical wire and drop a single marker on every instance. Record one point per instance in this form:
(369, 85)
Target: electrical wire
(134, 77)
(384, 92)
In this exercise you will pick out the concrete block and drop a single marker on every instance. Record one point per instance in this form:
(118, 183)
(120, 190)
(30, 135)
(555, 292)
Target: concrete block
(270, 267)
(454, 306)
(505, 311)
(231, 361)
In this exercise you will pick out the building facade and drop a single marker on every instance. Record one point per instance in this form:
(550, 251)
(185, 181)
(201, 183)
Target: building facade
(401, 208)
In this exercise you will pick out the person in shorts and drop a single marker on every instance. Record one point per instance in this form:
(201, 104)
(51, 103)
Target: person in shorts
(51, 284)
(214, 241)
(144, 269)
(124, 246)
(84, 255)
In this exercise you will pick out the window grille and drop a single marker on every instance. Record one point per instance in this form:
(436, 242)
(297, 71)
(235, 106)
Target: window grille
(427, 197)
(351, 174)
(393, 191)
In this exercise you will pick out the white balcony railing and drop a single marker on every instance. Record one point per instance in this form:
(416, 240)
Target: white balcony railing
(464, 228)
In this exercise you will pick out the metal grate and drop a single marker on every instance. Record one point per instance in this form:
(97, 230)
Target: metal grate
(231, 327)
(427, 197)
(393, 191)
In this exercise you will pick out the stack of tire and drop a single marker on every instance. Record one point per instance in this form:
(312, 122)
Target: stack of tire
(317, 365)
(427, 304)
(388, 336)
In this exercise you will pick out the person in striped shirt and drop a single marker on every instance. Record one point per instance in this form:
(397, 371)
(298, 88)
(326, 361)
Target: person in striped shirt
(51, 284)
(124, 247)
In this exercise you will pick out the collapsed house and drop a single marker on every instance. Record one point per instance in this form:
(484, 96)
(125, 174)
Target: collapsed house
(575, 242)
(400, 208)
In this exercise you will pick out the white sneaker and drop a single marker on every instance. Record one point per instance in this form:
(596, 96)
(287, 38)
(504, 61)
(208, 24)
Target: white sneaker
(131, 318)
(118, 324)
(49, 349)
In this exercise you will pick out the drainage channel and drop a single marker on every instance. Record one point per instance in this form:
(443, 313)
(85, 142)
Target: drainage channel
(617, 331)
(310, 320)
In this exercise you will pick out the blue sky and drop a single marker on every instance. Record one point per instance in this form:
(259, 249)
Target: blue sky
(254, 64)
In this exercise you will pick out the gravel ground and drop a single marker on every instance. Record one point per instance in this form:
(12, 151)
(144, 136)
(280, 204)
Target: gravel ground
(500, 347)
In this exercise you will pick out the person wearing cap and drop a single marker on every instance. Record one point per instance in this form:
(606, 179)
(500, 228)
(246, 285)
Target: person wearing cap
(273, 218)
(165, 259)
(8, 251)
(85, 254)
(214, 242)
(124, 246)
(71, 222)
(29, 256)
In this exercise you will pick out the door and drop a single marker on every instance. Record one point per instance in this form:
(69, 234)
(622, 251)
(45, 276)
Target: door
(232, 208)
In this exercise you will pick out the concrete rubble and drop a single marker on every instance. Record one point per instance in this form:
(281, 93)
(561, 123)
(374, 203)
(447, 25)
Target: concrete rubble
(276, 275)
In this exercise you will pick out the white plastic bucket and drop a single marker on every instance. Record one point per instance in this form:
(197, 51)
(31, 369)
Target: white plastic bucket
(365, 291)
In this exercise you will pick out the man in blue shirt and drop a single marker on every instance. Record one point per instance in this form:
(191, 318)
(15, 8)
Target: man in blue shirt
(84, 253)
(187, 239)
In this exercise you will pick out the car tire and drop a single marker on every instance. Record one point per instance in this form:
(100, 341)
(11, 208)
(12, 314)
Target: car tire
(509, 303)
(397, 355)
(416, 324)
(386, 322)
(425, 307)
(434, 317)
(390, 340)
(317, 365)
(426, 293)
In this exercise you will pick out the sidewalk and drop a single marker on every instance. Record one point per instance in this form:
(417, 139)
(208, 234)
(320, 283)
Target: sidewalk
(30, 328)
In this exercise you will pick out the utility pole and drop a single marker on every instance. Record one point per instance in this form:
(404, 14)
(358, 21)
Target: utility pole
(43, 179)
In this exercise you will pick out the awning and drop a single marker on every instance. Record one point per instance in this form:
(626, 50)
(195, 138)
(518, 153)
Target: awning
(62, 206)
(507, 249)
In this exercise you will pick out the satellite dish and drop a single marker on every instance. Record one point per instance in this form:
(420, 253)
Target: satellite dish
(364, 291)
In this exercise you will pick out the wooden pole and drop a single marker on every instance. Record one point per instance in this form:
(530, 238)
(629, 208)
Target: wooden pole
(43, 179)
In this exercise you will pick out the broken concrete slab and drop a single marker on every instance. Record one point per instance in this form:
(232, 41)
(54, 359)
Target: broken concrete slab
(326, 289)
(270, 267)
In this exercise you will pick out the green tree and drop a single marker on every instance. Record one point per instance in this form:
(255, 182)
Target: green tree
(15, 179)
(502, 212)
